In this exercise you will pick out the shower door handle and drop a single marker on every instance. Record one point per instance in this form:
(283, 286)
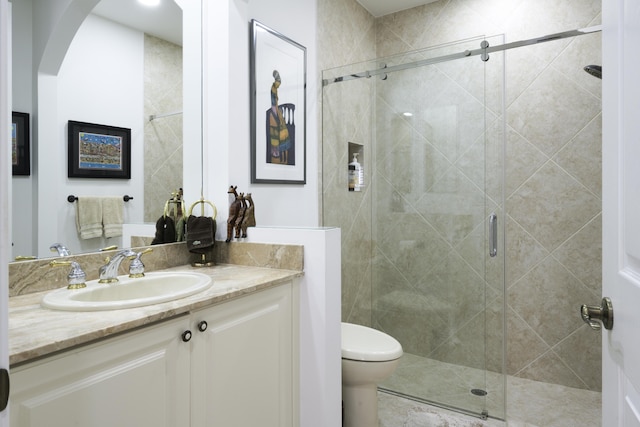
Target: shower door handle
(493, 235)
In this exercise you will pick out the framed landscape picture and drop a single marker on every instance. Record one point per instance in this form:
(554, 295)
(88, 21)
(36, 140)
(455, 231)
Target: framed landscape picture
(98, 151)
(20, 144)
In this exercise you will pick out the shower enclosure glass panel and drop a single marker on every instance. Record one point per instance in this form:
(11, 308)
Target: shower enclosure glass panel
(416, 239)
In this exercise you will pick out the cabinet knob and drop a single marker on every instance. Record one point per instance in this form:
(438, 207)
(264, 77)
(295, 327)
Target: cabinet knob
(202, 326)
(186, 336)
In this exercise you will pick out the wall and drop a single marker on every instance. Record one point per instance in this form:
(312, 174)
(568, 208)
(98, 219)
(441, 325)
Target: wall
(319, 328)
(552, 176)
(114, 88)
(163, 150)
(22, 63)
(5, 187)
(346, 35)
(227, 153)
(100, 81)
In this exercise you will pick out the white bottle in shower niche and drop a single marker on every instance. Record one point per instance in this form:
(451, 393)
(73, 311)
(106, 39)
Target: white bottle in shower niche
(356, 174)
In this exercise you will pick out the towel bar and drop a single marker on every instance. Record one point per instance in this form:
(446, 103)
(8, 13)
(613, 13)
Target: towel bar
(71, 198)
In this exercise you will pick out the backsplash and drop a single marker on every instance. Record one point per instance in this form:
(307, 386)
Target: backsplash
(34, 276)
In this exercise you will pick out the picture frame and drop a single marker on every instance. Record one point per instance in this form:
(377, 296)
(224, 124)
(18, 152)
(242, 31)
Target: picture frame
(278, 84)
(20, 144)
(98, 151)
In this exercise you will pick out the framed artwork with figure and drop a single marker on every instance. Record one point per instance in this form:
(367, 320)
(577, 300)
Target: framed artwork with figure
(278, 107)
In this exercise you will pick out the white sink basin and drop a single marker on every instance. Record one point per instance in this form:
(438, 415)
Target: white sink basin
(153, 288)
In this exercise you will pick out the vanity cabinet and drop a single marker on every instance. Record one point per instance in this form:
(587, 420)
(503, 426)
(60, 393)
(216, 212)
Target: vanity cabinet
(231, 364)
(244, 364)
(140, 378)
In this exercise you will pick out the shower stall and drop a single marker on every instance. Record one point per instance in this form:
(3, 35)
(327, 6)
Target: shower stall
(423, 231)
(422, 238)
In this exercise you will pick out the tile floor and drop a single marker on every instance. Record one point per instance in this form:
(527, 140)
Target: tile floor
(529, 403)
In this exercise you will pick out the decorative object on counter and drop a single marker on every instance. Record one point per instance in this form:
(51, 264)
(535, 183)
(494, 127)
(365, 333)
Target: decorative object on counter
(234, 209)
(240, 217)
(241, 214)
(179, 212)
(249, 219)
(170, 227)
(278, 107)
(98, 151)
(20, 144)
(201, 233)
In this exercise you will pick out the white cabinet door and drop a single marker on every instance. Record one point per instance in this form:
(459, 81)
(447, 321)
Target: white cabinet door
(139, 379)
(243, 364)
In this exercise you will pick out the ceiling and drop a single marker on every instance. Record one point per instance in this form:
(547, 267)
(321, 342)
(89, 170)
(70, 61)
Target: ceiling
(384, 7)
(163, 21)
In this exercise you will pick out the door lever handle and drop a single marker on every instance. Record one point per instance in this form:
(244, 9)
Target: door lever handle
(594, 315)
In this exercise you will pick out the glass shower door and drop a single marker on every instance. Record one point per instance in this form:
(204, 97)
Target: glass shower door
(437, 182)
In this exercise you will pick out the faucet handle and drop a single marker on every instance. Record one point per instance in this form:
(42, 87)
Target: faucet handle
(76, 277)
(136, 267)
(60, 248)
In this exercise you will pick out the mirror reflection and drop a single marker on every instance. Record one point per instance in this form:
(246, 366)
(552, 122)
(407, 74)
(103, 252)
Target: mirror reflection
(123, 67)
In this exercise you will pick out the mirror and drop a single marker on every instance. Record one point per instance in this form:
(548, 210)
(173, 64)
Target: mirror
(101, 66)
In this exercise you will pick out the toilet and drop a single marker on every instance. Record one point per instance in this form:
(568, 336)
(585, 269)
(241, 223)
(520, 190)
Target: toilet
(369, 356)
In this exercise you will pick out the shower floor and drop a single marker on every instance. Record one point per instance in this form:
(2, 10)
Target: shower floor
(529, 403)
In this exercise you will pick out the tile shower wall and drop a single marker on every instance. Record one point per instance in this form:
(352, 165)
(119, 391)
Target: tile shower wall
(163, 136)
(346, 36)
(553, 164)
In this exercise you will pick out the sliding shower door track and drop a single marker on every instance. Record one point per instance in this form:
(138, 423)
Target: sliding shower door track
(483, 51)
(484, 414)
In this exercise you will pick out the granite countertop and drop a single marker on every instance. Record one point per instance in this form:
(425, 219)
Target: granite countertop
(35, 331)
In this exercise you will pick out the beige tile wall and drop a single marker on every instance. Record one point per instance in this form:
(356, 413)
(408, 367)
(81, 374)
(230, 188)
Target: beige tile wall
(162, 136)
(346, 36)
(552, 170)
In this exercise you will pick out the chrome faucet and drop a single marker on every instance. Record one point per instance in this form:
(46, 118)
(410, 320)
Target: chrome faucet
(108, 273)
(60, 248)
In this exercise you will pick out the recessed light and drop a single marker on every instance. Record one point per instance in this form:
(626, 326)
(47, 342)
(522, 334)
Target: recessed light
(149, 3)
(407, 114)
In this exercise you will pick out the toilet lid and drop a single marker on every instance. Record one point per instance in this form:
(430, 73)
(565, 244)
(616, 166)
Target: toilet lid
(368, 345)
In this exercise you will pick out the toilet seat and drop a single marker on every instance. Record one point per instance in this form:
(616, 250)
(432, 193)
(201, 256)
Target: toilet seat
(365, 344)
